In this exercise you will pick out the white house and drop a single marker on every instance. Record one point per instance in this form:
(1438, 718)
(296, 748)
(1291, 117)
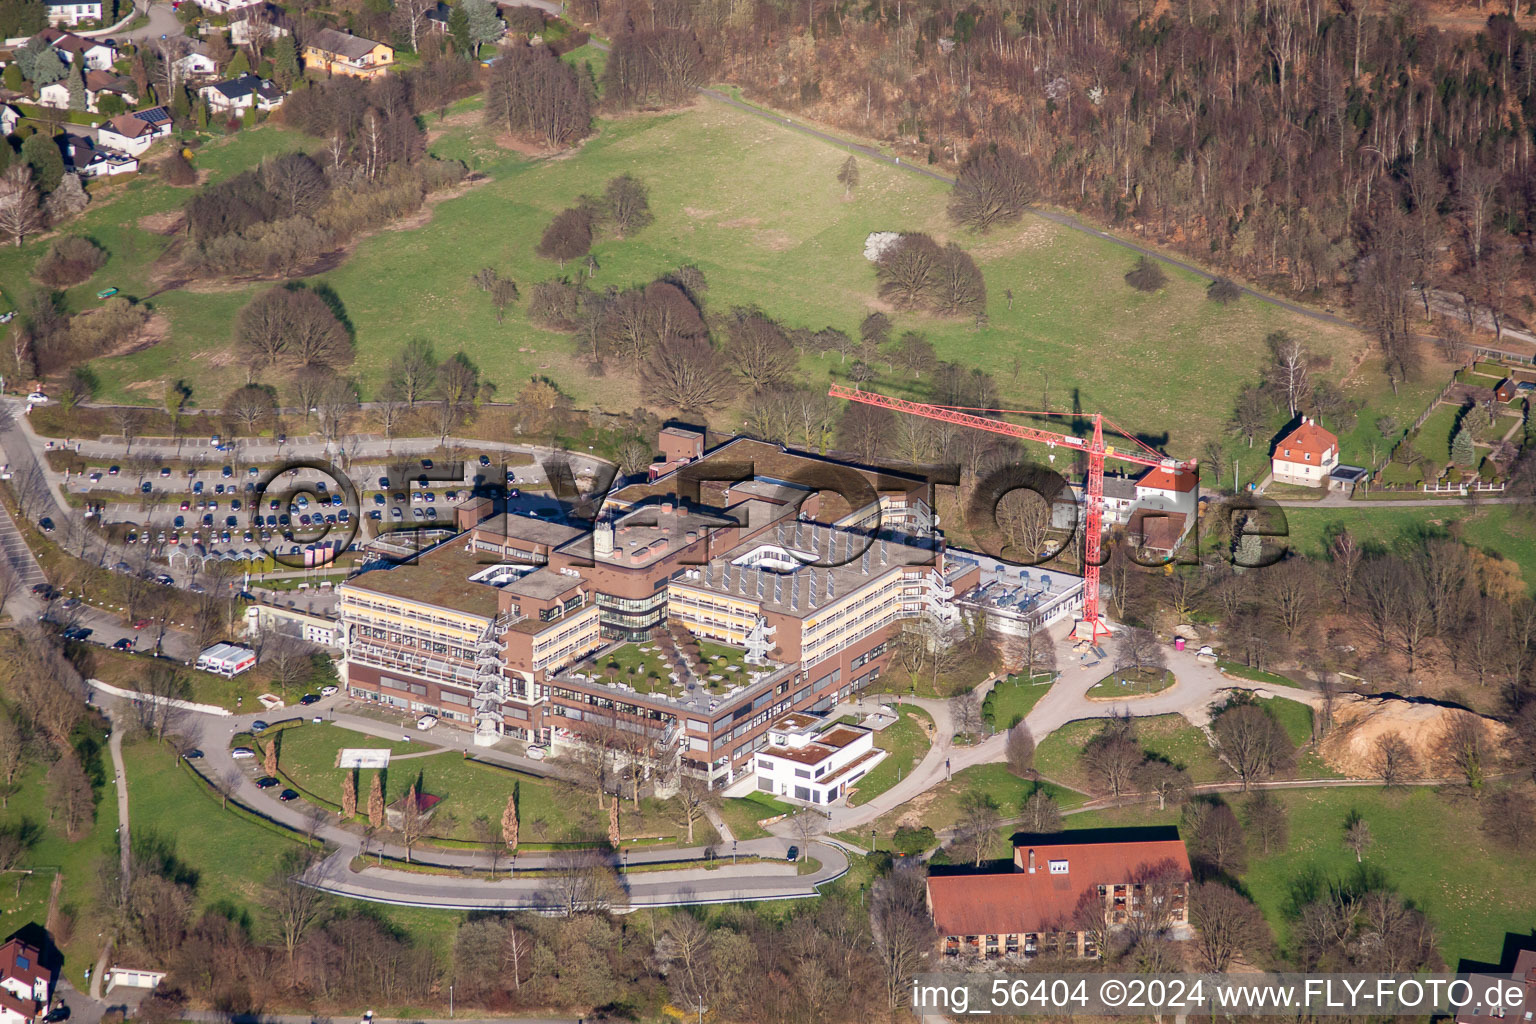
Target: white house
(73, 13)
(97, 55)
(10, 117)
(134, 133)
(226, 6)
(261, 20)
(89, 162)
(1305, 456)
(197, 62)
(242, 93)
(97, 84)
(25, 984)
(226, 660)
(804, 766)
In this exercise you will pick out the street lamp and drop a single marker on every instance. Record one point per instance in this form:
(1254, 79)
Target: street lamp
(871, 840)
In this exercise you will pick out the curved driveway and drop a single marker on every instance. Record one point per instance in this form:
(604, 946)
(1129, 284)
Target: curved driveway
(768, 879)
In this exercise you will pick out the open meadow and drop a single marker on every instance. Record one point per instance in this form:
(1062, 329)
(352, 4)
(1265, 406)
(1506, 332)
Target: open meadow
(757, 207)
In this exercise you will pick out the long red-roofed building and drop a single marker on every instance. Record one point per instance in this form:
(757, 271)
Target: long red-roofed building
(1061, 889)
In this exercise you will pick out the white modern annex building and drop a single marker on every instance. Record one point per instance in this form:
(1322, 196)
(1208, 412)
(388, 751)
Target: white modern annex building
(809, 767)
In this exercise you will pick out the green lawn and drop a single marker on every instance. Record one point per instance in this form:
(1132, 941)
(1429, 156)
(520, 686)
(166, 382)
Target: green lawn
(757, 207)
(24, 898)
(1011, 700)
(231, 855)
(1131, 684)
(1434, 440)
(742, 814)
(1167, 736)
(549, 812)
(1428, 847)
(1505, 529)
(907, 742)
(939, 807)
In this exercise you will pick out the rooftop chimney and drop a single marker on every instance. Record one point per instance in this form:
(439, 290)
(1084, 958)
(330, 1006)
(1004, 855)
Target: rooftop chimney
(1031, 861)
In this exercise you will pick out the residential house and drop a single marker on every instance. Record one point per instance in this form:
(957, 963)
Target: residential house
(197, 62)
(97, 55)
(260, 21)
(808, 765)
(74, 12)
(226, 6)
(341, 53)
(86, 160)
(97, 85)
(10, 117)
(26, 985)
(1156, 533)
(1524, 983)
(134, 133)
(437, 18)
(1305, 456)
(1505, 391)
(242, 93)
(1061, 889)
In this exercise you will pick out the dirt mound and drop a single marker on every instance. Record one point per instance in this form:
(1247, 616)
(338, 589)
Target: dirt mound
(1360, 722)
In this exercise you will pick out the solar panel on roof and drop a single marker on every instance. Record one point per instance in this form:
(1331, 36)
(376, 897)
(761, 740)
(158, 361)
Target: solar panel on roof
(153, 114)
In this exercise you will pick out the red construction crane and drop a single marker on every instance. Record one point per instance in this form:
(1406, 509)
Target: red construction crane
(1091, 626)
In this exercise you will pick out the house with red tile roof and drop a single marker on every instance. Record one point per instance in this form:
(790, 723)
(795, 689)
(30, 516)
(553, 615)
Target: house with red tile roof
(1061, 890)
(25, 984)
(1305, 456)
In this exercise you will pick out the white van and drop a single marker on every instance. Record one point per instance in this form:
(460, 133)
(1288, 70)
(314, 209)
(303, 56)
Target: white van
(426, 722)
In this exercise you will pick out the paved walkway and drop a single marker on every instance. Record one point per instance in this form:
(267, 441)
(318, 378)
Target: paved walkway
(1199, 685)
(1336, 499)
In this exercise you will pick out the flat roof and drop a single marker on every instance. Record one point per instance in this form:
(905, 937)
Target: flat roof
(769, 461)
(544, 584)
(511, 526)
(790, 591)
(439, 577)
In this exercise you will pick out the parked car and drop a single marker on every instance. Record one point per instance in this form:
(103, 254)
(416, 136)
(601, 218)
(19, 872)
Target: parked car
(38, 398)
(45, 524)
(258, 727)
(328, 691)
(124, 644)
(792, 854)
(242, 753)
(140, 623)
(193, 755)
(426, 722)
(266, 782)
(309, 698)
(287, 795)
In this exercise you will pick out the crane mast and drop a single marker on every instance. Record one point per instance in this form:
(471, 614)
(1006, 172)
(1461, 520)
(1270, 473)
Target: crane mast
(1091, 626)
